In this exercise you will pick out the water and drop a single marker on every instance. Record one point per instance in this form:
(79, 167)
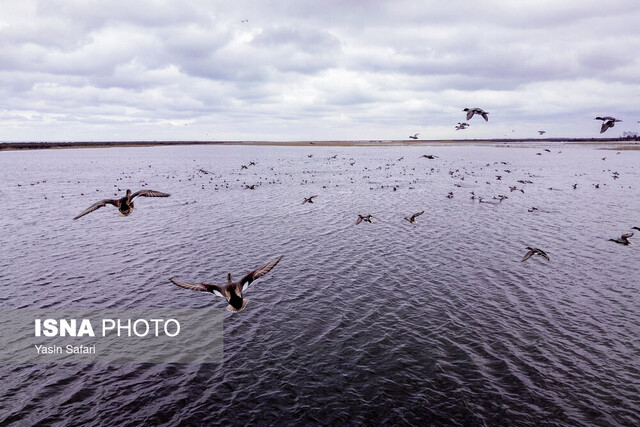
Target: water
(386, 322)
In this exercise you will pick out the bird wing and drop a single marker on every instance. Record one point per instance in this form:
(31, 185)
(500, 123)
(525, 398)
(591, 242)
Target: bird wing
(484, 116)
(527, 255)
(149, 193)
(626, 236)
(203, 287)
(97, 205)
(416, 214)
(544, 254)
(469, 114)
(359, 220)
(258, 273)
(605, 126)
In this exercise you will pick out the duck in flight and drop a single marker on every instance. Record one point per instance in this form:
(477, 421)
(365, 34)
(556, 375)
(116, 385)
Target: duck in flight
(476, 110)
(414, 136)
(309, 199)
(624, 239)
(607, 122)
(412, 218)
(125, 204)
(232, 291)
(361, 218)
(533, 251)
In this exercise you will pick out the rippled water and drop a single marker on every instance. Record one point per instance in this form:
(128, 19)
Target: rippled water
(386, 322)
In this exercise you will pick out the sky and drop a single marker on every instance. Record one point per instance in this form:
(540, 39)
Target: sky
(121, 70)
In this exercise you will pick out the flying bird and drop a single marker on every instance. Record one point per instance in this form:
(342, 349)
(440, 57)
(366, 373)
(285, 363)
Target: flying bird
(125, 204)
(607, 122)
(361, 218)
(429, 156)
(624, 239)
(309, 199)
(412, 218)
(533, 251)
(415, 136)
(232, 291)
(476, 110)
(542, 132)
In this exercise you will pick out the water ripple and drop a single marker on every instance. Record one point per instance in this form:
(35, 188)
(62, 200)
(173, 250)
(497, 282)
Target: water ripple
(387, 322)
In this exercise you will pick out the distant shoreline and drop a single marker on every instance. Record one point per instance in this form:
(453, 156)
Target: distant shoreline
(620, 143)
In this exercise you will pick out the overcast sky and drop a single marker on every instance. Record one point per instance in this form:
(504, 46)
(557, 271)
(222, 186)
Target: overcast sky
(308, 69)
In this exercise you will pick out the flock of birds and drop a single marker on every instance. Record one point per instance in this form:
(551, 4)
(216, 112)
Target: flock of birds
(607, 121)
(233, 290)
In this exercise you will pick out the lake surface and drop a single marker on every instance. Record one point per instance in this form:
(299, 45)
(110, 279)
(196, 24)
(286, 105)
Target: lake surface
(387, 322)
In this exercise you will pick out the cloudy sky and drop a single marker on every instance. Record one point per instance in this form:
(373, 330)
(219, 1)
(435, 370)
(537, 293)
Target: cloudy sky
(307, 69)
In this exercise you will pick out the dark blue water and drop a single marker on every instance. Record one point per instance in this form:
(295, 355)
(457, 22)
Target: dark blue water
(387, 322)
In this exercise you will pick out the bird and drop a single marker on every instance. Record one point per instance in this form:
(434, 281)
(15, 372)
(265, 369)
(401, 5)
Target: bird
(607, 122)
(623, 240)
(245, 20)
(476, 110)
(542, 132)
(412, 218)
(309, 199)
(361, 218)
(462, 125)
(125, 204)
(535, 251)
(429, 156)
(232, 291)
(415, 136)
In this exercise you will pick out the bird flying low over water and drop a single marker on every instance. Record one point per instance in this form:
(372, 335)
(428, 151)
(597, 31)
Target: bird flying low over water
(476, 110)
(125, 204)
(533, 251)
(542, 132)
(366, 218)
(624, 239)
(429, 156)
(412, 218)
(232, 291)
(414, 136)
(309, 199)
(607, 122)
